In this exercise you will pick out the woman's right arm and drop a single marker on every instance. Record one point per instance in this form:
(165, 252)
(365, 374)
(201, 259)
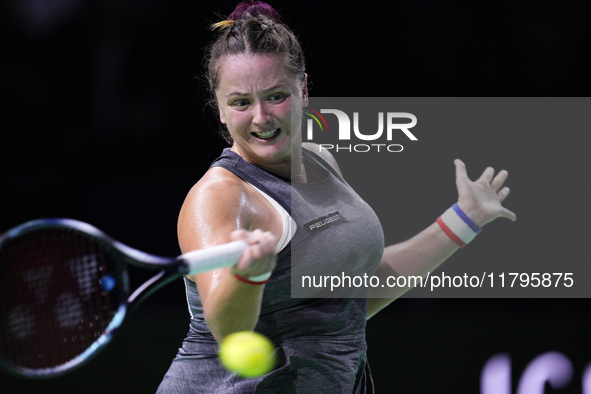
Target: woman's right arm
(218, 210)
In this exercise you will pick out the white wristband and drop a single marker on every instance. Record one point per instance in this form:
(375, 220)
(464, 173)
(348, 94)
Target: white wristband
(458, 226)
(260, 278)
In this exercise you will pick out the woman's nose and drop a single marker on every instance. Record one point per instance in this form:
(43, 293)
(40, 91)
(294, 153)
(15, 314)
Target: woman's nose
(262, 114)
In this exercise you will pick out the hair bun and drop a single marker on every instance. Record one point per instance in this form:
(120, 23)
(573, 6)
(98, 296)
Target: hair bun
(253, 8)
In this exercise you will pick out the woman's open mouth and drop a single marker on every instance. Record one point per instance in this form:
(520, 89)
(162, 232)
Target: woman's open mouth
(267, 135)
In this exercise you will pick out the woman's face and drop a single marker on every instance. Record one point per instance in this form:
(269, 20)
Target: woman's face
(255, 96)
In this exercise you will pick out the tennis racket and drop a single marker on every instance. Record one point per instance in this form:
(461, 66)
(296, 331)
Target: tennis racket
(65, 290)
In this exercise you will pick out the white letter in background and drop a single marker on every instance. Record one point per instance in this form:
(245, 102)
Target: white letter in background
(371, 137)
(401, 126)
(344, 123)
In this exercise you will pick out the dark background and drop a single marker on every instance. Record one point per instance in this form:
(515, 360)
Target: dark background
(102, 121)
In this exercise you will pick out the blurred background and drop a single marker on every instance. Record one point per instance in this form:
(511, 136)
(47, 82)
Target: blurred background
(103, 121)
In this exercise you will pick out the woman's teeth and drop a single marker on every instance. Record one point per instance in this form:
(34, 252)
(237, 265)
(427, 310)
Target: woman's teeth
(265, 135)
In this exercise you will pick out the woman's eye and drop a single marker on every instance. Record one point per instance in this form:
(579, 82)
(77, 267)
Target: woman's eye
(277, 97)
(240, 103)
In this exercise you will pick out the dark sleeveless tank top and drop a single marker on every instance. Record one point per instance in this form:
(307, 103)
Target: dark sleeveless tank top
(320, 341)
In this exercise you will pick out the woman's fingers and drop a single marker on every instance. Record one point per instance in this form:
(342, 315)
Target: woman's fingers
(460, 169)
(505, 213)
(482, 199)
(499, 180)
(259, 257)
(487, 175)
(503, 193)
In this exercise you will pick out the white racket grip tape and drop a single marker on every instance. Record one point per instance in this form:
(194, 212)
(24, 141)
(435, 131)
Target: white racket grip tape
(220, 256)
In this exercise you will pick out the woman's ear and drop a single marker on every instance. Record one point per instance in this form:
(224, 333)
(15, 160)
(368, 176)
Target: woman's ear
(305, 91)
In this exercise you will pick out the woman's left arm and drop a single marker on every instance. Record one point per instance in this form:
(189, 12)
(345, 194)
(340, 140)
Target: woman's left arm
(479, 200)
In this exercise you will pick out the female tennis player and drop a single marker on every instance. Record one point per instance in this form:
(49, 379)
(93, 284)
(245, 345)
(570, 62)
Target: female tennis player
(264, 189)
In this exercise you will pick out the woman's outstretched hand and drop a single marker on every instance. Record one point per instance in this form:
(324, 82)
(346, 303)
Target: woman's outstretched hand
(481, 199)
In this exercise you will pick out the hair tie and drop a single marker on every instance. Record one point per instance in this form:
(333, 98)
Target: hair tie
(255, 280)
(223, 24)
(248, 9)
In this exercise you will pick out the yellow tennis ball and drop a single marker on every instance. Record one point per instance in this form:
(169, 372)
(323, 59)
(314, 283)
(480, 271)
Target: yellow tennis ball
(247, 353)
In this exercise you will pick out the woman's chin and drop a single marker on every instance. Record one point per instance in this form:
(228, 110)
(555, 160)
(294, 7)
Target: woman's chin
(278, 145)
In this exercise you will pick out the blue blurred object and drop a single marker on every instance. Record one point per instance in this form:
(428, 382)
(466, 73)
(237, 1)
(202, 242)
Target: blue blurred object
(107, 283)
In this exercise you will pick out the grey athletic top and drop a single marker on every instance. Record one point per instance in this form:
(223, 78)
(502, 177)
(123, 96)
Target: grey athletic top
(320, 342)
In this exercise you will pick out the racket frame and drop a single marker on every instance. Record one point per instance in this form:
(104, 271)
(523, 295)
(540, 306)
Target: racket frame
(171, 268)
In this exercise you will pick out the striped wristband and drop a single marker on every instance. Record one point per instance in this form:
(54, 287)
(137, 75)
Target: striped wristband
(255, 280)
(458, 226)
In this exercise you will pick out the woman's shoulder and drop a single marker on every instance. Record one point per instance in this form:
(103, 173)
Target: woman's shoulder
(219, 203)
(217, 188)
(216, 202)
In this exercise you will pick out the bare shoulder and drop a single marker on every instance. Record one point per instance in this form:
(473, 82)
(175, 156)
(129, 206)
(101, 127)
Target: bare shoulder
(216, 185)
(324, 153)
(213, 208)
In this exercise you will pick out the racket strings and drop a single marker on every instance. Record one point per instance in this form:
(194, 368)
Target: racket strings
(56, 304)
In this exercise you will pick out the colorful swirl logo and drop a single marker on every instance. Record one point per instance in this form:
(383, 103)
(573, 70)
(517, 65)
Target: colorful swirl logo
(315, 115)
